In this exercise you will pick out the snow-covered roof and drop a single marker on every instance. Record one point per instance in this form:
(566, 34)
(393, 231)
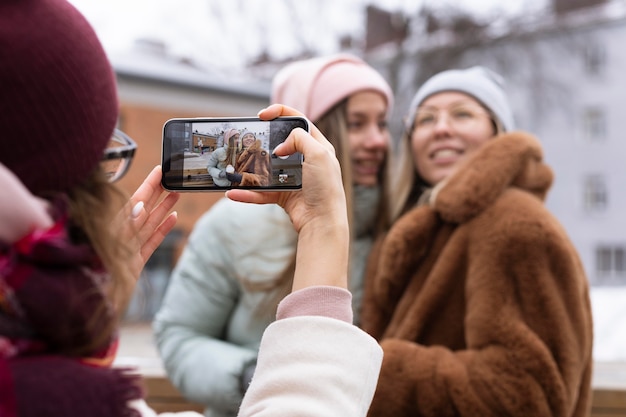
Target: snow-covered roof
(157, 66)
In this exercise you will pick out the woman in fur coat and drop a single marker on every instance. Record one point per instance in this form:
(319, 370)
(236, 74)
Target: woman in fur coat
(252, 166)
(476, 294)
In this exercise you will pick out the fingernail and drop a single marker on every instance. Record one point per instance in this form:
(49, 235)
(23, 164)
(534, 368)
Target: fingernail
(277, 147)
(136, 210)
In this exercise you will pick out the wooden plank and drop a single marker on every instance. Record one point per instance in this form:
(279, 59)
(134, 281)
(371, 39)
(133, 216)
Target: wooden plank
(162, 396)
(608, 402)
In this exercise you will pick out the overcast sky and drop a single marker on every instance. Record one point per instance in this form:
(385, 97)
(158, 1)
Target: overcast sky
(224, 33)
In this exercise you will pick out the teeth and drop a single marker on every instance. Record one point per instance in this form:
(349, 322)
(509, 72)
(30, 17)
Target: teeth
(445, 153)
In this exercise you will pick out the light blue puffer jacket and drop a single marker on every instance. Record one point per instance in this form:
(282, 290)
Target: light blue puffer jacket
(206, 329)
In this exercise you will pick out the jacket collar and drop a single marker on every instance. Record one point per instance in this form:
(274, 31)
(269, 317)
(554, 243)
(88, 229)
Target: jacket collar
(509, 160)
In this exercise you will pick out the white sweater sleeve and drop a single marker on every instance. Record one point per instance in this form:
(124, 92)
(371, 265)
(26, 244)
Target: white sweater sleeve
(313, 366)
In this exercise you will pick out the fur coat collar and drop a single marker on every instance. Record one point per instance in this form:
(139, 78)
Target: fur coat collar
(509, 160)
(254, 165)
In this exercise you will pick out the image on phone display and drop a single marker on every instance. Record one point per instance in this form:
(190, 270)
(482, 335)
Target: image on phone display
(217, 154)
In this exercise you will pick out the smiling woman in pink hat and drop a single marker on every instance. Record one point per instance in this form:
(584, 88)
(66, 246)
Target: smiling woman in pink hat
(240, 259)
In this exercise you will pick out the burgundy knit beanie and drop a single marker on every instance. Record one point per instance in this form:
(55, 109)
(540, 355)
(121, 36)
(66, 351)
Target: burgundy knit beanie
(58, 99)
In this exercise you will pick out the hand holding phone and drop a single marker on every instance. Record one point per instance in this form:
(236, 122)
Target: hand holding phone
(218, 154)
(322, 196)
(318, 212)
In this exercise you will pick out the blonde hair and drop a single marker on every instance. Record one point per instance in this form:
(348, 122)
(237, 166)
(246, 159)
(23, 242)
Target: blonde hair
(93, 206)
(232, 150)
(334, 127)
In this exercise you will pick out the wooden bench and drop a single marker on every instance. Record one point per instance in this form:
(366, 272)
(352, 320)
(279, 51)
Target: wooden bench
(163, 397)
(608, 402)
(609, 389)
(137, 350)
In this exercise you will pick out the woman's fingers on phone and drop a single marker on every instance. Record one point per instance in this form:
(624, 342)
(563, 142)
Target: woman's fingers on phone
(289, 146)
(276, 110)
(258, 197)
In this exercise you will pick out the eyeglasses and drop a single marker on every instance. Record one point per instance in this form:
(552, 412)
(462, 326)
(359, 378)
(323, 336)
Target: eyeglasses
(461, 118)
(118, 155)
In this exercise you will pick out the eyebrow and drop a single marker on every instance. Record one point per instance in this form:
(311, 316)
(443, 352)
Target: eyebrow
(453, 104)
(365, 114)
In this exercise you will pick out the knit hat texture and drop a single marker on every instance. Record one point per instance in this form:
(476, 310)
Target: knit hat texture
(228, 134)
(58, 106)
(479, 82)
(316, 85)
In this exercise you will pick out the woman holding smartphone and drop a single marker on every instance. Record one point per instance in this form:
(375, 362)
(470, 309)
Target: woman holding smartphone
(240, 259)
(252, 164)
(66, 275)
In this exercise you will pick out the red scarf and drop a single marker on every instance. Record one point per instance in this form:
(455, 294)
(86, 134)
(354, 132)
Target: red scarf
(49, 291)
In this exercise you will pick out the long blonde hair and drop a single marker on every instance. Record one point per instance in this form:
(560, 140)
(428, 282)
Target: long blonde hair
(93, 205)
(232, 151)
(334, 127)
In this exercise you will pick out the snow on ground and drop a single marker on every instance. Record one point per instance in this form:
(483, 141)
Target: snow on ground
(609, 317)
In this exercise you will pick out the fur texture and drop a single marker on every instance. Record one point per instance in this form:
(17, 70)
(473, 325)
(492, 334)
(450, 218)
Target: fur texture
(254, 164)
(479, 299)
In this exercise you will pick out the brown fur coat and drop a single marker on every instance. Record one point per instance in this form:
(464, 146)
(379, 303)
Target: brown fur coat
(479, 299)
(254, 164)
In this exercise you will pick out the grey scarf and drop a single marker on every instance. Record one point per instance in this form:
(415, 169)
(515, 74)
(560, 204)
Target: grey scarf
(365, 210)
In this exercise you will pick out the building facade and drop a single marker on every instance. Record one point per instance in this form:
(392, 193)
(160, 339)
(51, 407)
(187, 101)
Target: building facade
(564, 74)
(153, 89)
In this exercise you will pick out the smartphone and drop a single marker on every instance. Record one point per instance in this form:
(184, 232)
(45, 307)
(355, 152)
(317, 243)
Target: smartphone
(219, 153)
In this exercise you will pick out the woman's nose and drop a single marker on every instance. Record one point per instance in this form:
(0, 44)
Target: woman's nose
(443, 123)
(377, 138)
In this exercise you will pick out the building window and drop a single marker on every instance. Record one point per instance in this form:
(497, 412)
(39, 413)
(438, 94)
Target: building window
(603, 260)
(595, 59)
(610, 264)
(594, 124)
(595, 193)
(619, 259)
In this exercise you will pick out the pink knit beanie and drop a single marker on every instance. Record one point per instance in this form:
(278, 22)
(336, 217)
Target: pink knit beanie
(58, 105)
(316, 85)
(228, 134)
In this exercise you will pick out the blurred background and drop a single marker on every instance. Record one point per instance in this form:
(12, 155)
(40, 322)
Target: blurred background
(563, 61)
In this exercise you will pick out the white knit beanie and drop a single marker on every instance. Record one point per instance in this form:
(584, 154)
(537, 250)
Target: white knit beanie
(483, 84)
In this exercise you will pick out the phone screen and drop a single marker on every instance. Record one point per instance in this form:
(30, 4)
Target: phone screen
(217, 154)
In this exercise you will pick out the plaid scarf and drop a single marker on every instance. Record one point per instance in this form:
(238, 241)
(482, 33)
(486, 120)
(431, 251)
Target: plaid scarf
(50, 289)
